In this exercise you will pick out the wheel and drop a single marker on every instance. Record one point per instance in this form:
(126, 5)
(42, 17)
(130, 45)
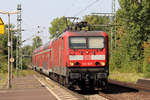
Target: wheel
(104, 84)
(66, 82)
(35, 69)
(71, 87)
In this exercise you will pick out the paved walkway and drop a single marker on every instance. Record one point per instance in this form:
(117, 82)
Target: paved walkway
(26, 88)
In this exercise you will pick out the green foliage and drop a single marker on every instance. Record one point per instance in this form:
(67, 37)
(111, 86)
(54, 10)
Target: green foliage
(3, 67)
(115, 62)
(27, 50)
(134, 17)
(129, 16)
(58, 25)
(3, 52)
(147, 72)
(4, 48)
(146, 63)
(37, 42)
(25, 63)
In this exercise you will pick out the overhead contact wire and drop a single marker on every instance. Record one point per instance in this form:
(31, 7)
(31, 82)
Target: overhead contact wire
(86, 8)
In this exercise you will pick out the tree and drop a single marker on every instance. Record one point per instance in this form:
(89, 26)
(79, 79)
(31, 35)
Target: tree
(135, 18)
(27, 50)
(4, 48)
(37, 42)
(97, 20)
(58, 25)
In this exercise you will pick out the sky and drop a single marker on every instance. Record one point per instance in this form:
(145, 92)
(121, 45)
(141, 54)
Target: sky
(42, 12)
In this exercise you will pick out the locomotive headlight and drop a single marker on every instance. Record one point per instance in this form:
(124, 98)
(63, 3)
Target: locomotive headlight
(71, 63)
(102, 63)
(87, 52)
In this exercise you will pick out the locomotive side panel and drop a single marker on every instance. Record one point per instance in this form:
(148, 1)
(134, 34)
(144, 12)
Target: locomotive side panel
(50, 61)
(58, 56)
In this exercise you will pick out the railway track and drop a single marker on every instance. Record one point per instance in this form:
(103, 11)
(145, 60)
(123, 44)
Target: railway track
(126, 91)
(59, 91)
(141, 85)
(63, 93)
(122, 91)
(116, 91)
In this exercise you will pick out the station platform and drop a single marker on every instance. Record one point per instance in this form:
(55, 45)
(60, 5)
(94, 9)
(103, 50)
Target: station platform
(26, 88)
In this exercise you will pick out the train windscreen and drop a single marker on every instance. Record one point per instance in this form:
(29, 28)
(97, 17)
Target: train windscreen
(86, 42)
(96, 42)
(78, 42)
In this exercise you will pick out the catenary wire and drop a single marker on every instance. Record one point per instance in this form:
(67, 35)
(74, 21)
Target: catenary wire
(77, 14)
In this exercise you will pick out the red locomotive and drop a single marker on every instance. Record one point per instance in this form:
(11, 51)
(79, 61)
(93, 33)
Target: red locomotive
(75, 58)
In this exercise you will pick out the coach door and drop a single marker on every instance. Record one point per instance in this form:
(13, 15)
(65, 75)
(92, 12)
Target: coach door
(62, 52)
(48, 61)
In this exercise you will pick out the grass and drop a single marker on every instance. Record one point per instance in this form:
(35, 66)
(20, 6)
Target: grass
(23, 72)
(3, 79)
(125, 77)
(3, 76)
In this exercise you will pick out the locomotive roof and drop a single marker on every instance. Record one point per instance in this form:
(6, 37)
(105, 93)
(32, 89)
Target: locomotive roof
(82, 33)
(78, 33)
(85, 33)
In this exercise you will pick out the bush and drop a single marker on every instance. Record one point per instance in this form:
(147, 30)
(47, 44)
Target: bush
(115, 61)
(26, 62)
(147, 72)
(3, 67)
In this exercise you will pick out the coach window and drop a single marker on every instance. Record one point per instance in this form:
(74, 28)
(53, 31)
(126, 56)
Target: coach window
(43, 57)
(48, 60)
(62, 43)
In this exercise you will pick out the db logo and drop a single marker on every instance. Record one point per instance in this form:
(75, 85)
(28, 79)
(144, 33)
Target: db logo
(87, 57)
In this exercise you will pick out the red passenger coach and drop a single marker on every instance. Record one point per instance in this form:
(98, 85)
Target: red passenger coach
(75, 58)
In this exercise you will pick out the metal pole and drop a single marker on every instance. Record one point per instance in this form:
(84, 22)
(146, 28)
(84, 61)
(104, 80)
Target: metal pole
(11, 54)
(111, 41)
(114, 10)
(112, 19)
(17, 44)
(19, 57)
(21, 43)
(17, 53)
(9, 73)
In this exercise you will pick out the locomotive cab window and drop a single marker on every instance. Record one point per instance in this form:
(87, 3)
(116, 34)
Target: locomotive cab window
(77, 42)
(96, 42)
(87, 42)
